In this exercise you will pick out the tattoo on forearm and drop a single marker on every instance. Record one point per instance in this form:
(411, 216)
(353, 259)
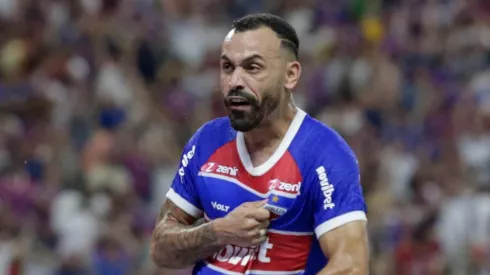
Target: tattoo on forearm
(178, 241)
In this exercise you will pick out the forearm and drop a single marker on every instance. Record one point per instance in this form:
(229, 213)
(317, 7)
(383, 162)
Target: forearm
(175, 245)
(343, 266)
(333, 270)
(347, 250)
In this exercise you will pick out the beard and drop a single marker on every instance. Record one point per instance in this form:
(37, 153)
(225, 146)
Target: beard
(244, 120)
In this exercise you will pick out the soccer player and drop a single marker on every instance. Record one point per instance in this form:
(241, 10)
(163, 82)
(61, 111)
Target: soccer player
(279, 190)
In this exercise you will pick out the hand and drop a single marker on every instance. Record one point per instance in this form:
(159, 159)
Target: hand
(245, 226)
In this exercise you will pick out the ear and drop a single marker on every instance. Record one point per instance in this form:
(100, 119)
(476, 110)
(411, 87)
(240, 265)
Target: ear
(293, 72)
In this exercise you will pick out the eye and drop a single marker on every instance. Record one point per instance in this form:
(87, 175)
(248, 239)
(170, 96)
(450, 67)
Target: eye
(254, 67)
(227, 66)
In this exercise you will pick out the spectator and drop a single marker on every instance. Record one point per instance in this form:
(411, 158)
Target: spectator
(97, 98)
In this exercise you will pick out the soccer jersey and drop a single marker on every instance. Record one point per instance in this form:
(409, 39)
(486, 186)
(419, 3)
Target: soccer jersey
(311, 182)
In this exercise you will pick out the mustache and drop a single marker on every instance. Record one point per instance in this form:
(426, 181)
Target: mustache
(241, 93)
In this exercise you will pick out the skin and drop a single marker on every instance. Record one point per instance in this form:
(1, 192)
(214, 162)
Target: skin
(179, 240)
(256, 61)
(255, 64)
(347, 249)
(176, 234)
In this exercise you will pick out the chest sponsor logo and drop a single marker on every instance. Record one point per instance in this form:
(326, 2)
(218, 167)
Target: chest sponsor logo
(326, 187)
(220, 207)
(237, 255)
(280, 195)
(185, 160)
(276, 211)
(277, 185)
(213, 167)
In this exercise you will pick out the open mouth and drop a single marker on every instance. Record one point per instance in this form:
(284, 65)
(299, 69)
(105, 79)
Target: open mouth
(238, 102)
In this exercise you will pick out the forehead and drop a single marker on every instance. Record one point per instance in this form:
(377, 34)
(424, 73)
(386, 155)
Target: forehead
(240, 45)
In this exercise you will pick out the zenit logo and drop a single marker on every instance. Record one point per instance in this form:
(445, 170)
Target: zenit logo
(278, 185)
(212, 167)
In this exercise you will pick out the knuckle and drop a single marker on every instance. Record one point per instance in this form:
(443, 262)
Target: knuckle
(251, 222)
(253, 233)
(240, 209)
(245, 210)
(245, 204)
(247, 223)
(259, 240)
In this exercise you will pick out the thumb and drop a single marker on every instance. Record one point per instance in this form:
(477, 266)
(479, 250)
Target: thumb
(255, 204)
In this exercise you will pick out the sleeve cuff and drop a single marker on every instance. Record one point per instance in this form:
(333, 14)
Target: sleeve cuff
(339, 221)
(183, 204)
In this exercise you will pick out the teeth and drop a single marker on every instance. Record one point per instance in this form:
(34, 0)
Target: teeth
(238, 100)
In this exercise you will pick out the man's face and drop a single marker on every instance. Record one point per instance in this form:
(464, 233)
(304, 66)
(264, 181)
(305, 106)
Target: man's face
(252, 76)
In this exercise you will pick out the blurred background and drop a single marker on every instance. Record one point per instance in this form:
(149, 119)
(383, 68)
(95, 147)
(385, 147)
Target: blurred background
(98, 98)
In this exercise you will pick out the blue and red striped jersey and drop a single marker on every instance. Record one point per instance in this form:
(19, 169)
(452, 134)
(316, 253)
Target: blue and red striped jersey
(311, 181)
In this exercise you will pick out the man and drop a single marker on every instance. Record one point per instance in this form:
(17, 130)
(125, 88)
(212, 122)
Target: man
(279, 190)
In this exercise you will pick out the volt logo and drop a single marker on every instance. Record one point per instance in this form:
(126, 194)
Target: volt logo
(220, 207)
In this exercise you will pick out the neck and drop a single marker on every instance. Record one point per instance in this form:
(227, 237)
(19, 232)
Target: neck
(272, 129)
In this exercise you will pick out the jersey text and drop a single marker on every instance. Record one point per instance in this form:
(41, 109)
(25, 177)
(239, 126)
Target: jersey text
(327, 188)
(236, 255)
(220, 207)
(185, 160)
(212, 167)
(284, 186)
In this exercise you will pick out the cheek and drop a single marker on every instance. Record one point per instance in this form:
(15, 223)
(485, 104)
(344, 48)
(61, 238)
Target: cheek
(256, 85)
(224, 83)
(271, 86)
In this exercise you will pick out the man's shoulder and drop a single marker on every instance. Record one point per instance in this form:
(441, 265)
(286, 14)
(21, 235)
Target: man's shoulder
(317, 142)
(219, 128)
(212, 135)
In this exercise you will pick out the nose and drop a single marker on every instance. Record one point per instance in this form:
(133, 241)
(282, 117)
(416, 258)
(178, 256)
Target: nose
(236, 80)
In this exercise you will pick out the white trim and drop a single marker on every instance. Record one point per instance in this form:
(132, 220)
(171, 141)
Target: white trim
(252, 271)
(339, 221)
(183, 204)
(276, 156)
(290, 233)
(221, 270)
(274, 231)
(248, 188)
(235, 181)
(282, 194)
(206, 217)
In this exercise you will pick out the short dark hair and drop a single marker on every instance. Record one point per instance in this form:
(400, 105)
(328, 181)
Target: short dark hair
(283, 30)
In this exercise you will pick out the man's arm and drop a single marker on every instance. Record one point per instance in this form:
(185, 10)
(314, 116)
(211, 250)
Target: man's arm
(179, 242)
(347, 250)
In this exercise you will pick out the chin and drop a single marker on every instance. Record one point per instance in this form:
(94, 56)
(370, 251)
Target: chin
(244, 121)
(242, 126)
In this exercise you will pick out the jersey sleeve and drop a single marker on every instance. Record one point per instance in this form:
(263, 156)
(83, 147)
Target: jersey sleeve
(183, 191)
(337, 192)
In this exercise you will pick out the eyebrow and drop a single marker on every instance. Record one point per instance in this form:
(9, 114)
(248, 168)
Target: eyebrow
(249, 58)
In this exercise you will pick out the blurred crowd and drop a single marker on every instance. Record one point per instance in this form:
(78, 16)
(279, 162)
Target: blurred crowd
(98, 97)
